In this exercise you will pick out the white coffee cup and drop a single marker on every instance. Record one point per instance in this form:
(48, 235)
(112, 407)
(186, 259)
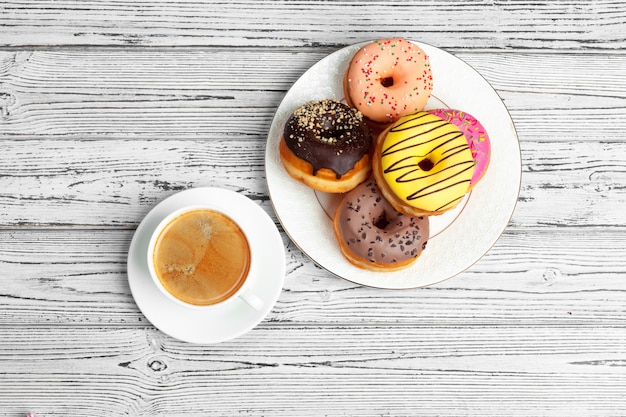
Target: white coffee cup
(191, 245)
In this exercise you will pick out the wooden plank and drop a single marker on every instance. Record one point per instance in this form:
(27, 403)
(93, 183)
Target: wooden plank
(565, 276)
(190, 92)
(163, 71)
(458, 24)
(107, 182)
(307, 371)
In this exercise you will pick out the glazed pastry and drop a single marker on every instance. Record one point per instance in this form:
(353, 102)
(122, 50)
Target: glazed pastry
(326, 145)
(373, 235)
(388, 79)
(476, 136)
(423, 165)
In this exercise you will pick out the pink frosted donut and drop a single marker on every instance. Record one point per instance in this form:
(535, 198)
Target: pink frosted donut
(388, 79)
(476, 136)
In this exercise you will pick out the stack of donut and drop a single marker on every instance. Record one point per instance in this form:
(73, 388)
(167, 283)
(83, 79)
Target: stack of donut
(397, 163)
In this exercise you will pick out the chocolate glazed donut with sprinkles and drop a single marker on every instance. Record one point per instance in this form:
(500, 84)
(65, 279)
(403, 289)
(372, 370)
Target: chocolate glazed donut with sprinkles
(326, 145)
(372, 235)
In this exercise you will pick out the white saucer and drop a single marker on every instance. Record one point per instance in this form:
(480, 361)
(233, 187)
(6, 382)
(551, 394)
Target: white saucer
(222, 322)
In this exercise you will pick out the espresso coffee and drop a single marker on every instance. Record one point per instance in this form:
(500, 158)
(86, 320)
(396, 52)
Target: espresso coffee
(201, 257)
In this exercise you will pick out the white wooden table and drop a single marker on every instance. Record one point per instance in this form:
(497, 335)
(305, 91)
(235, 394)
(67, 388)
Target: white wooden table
(108, 107)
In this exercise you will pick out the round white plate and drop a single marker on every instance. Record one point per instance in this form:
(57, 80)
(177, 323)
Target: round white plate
(458, 239)
(224, 321)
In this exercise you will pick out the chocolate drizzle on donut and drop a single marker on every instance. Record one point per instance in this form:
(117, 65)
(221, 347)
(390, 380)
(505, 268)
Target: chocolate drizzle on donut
(328, 134)
(418, 166)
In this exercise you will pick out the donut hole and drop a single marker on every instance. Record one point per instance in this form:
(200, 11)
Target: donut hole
(381, 222)
(386, 82)
(425, 164)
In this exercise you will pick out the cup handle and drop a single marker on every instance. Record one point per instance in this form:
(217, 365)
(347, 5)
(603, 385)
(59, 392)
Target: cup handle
(252, 300)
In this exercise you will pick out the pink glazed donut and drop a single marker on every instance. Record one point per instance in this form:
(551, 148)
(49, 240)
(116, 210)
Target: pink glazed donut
(476, 136)
(388, 79)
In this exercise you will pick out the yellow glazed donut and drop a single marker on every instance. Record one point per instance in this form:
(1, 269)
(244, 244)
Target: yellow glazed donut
(388, 79)
(423, 165)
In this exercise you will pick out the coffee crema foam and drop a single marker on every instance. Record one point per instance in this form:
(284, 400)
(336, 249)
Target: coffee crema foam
(202, 257)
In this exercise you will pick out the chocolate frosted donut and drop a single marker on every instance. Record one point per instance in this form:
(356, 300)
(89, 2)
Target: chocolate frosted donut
(373, 235)
(326, 145)
(328, 134)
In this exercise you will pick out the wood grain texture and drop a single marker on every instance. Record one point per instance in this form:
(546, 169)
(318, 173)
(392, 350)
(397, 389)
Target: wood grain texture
(115, 182)
(109, 106)
(497, 25)
(188, 92)
(537, 277)
(389, 370)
